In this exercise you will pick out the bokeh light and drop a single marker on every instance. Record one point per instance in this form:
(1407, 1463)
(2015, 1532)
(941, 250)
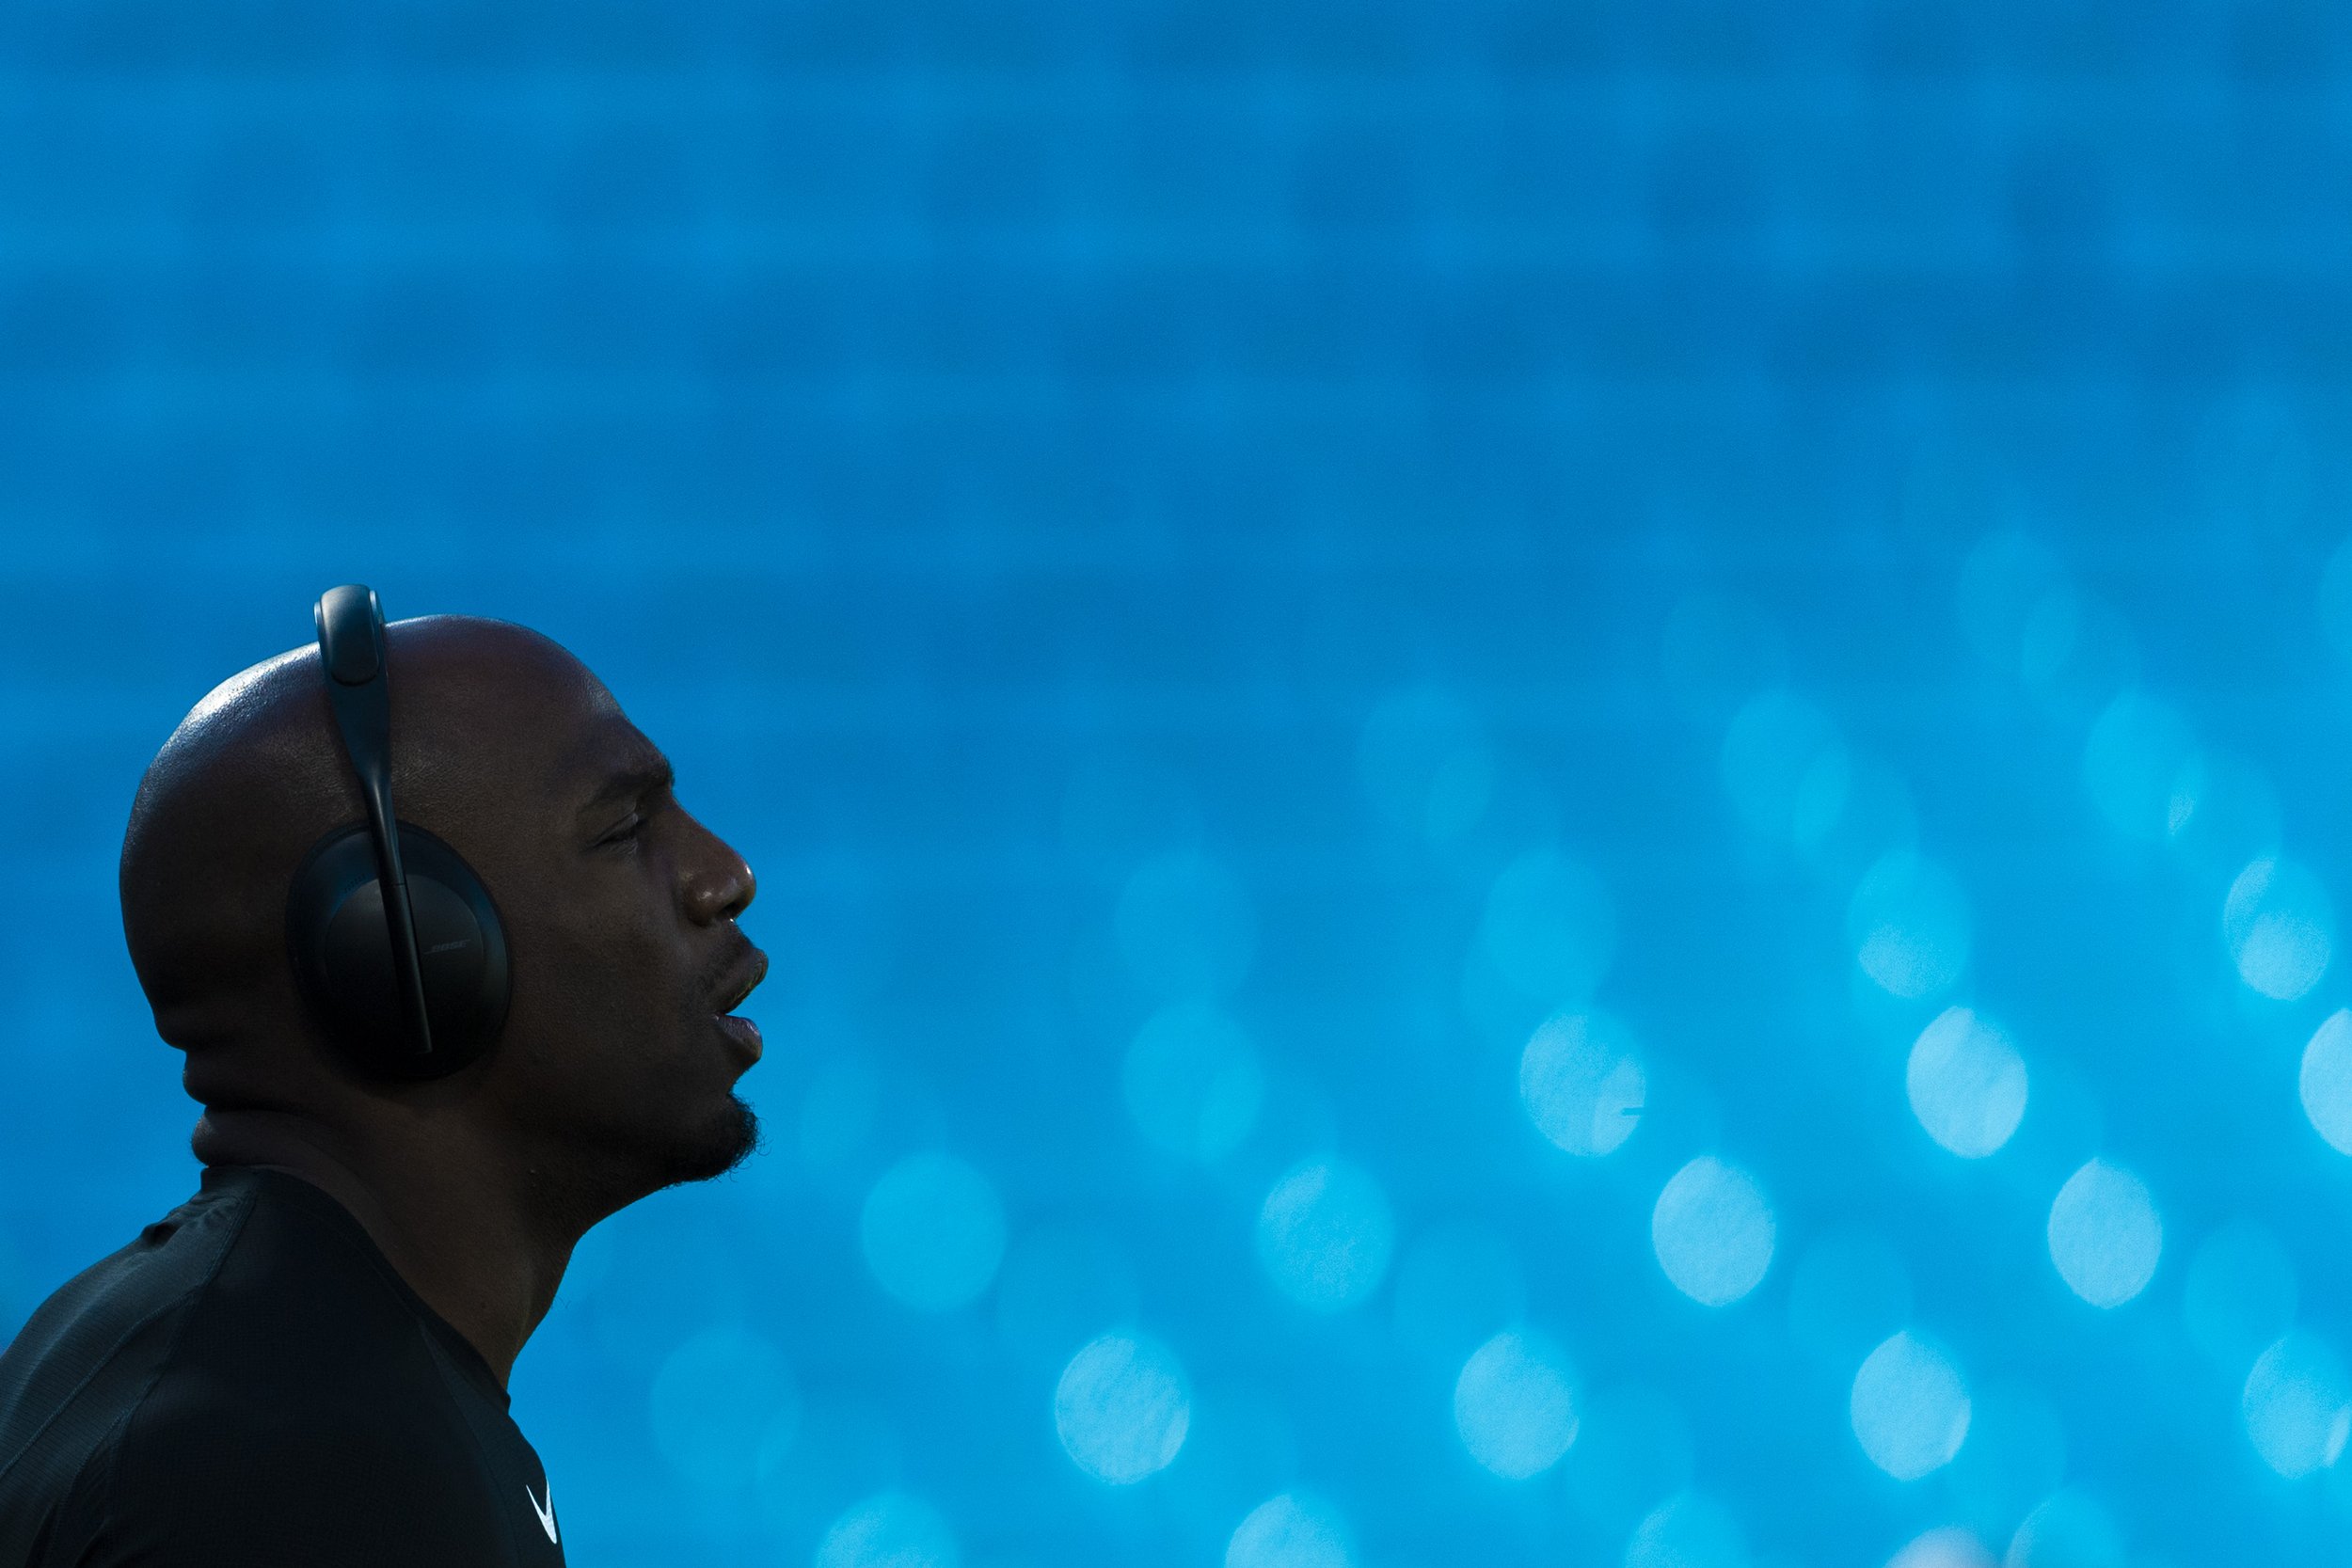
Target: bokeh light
(2066, 1530)
(1946, 1547)
(2280, 927)
(2297, 1405)
(934, 1231)
(1688, 1530)
(2105, 1234)
(1712, 1231)
(1324, 1234)
(1293, 1529)
(1581, 1083)
(2325, 1082)
(1515, 1404)
(890, 1529)
(1909, 1407)
(1966, 1084)
(1340, 635)
(1909, 925)
(1123, 1407)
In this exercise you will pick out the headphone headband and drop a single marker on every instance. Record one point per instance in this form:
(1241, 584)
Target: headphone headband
(351, 656)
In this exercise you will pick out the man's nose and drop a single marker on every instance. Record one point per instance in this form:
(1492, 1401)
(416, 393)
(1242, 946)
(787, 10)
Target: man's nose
(720, 885)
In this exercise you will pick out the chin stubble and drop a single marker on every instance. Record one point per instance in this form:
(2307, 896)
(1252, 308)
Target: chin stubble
(732, 1138)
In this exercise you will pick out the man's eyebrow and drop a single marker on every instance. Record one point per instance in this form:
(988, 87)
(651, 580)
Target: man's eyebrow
(639, 776)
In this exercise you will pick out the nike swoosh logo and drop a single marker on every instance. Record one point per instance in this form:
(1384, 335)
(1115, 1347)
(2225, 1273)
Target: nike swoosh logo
(546, 1514)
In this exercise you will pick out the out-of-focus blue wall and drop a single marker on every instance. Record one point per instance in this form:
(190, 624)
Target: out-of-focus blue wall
(1536, 783)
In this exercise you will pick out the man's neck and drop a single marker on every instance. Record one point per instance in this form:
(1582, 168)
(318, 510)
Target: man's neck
(477, 1238)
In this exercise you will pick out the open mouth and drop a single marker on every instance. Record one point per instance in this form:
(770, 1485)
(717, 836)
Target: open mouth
(742, 980)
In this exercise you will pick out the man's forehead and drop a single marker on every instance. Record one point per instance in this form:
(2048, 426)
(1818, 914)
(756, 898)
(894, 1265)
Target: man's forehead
(612, 758)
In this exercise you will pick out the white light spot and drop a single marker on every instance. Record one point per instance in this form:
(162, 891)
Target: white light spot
(1324, 1234)
(934, 1231)
(1123, 1407)
(1515, 1404)
(1784, 768)
(1192, 1082)
(1967, 1084)
(1909, 925)
(2297, 1405)
(1295, 1529)
(1687, 1530)
(2240, 1294)
(1712, 1231)
(2104, 1235)
(716, 1399)
(1185, 927)
(1949, 1547)
(1581, 1083)
(1548, 929)
(2066, 1530)
(2280, 927)
(1910, 1407)
(2133, 766)
(2326, 1080)
(890, 1529)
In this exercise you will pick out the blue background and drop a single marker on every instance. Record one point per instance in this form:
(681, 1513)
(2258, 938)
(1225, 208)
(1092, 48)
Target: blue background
(1073, 483)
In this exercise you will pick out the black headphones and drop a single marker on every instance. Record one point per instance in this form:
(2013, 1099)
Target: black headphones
(396, 945)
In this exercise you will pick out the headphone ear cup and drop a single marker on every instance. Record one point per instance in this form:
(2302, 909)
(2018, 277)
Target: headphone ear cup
(343, 960)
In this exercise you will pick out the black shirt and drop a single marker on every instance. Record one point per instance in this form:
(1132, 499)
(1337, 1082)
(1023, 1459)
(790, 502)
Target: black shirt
(250, 1382)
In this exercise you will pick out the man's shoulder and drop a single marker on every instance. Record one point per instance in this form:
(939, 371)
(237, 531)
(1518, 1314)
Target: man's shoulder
(246, 1282)
(88, 1354)
(200, 1478)
(100, 1337)
(323, 1456)
(243, 1378)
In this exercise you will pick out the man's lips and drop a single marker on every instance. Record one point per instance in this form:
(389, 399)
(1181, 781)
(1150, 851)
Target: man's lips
(741, 979)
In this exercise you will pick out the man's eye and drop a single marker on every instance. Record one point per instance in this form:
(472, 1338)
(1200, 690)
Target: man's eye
(626, 831)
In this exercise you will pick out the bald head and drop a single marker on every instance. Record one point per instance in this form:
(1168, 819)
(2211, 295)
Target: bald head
(255, 774)
(615, 1060)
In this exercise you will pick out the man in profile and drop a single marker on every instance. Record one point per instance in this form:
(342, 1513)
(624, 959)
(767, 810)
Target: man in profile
(306, 1363)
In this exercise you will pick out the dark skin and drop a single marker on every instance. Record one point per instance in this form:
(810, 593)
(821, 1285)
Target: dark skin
(615, 1073)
